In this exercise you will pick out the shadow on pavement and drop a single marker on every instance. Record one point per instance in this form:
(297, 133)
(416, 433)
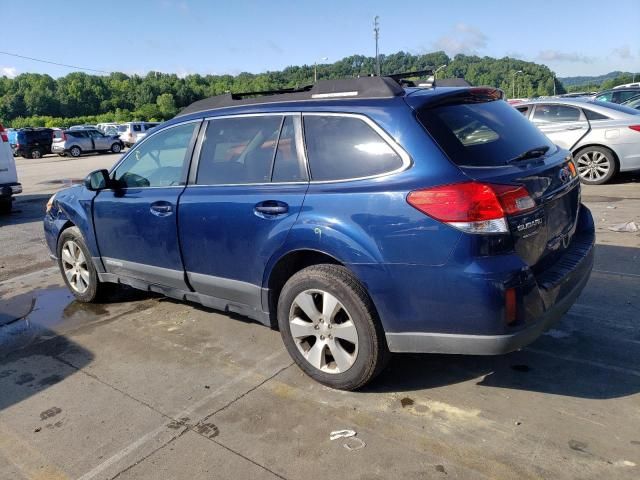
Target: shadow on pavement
(26, 209)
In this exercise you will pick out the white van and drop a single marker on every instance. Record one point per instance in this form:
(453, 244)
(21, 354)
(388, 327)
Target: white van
(9, 185)
(129, 131)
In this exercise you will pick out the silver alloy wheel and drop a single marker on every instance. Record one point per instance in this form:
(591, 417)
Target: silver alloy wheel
(36, 154)
(115, 148)
(593, 165)
(323, 331)
(75, 152)
(75, 266)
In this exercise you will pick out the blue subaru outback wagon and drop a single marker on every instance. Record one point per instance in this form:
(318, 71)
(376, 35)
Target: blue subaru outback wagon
(358, 216)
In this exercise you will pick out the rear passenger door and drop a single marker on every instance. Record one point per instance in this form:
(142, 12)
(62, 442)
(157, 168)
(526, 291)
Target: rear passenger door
(563, 124)
(241, 201)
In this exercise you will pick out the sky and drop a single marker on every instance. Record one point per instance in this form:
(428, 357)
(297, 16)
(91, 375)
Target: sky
(218, 37)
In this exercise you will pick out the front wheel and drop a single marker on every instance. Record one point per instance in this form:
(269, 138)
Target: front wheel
(596, 165)
(330, 328)
(78, 271)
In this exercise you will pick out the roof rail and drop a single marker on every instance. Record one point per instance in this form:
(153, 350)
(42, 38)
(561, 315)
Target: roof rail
(346, 88)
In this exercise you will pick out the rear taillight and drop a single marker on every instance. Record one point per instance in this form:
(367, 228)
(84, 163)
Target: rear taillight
(3, 134)
(635, 127)
(473, 207)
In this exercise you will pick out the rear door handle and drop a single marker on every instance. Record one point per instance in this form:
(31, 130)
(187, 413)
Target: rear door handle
(271, 207)
(161, 209)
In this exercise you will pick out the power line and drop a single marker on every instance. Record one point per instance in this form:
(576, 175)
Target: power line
(53, 63)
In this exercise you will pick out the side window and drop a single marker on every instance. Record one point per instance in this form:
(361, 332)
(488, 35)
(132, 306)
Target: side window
(160, 161)
(591, 115)
(624, 95)
(287, 166)
(340, 148)
(94, 133)
(238, 150)
(524, 111)
(137, 127)
(605, 97)
(555, 114)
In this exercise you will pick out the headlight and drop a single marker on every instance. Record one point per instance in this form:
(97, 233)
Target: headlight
(50, 203)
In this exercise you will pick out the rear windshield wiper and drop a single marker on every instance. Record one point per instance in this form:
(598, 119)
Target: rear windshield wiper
(534, 152)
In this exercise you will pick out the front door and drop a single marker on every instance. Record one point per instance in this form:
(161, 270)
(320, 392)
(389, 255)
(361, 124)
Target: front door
(135, 223)
(248, 190)
(100, 142)
(563, 124)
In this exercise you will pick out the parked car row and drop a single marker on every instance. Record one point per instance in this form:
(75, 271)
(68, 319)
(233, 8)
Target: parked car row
(604, 137)
(77, 139)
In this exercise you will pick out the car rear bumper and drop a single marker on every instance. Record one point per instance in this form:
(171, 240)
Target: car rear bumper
(57, 148)
(552, 294)
(9, 189)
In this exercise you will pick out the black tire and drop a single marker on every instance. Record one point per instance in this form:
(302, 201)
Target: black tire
(372, 352)
(36, 153)
(116, 148)
(95, 290)
(75, 151)
(62, 154)
(605, 158)
(5, 206)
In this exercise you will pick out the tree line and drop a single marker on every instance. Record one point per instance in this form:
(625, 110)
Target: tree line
(32, 99)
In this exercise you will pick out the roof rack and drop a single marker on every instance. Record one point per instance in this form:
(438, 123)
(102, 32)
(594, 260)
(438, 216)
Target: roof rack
(403, 78)
(347, 88)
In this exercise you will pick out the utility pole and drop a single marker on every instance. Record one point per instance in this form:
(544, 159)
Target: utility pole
(553, 75)
(513, 86)
(376, 34)
(315, 68)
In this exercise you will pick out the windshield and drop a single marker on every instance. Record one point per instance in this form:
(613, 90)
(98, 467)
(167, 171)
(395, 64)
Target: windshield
(482, 134)
(617, 107)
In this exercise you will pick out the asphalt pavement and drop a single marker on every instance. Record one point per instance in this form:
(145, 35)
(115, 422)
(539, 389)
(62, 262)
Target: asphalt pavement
(145, 387)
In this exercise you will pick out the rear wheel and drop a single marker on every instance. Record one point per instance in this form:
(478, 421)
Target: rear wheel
(35, 153)
(330, 328)
(75, 151)
(596, 165)
(116, 148)
(77, 268)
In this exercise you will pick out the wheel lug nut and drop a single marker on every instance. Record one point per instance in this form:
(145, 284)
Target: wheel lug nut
(329, 325)
(330, 336)
(321, 337)
(317, 327)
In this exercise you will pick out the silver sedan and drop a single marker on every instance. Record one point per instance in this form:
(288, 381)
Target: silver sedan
(603, 137)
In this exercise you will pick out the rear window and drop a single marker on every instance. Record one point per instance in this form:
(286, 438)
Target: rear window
(122, 128)
(481, 134)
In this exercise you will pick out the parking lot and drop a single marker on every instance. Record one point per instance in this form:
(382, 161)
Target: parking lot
(147, 387)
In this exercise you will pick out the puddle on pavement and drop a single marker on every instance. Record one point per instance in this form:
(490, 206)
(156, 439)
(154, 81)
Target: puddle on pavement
(39, 315)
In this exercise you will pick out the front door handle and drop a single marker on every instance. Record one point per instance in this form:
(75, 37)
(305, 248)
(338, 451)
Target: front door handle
(575, 127)
(161, 209)
(271, 207)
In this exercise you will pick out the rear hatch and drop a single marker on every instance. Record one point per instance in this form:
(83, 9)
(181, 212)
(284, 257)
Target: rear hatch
(493, 144)
(7, 164)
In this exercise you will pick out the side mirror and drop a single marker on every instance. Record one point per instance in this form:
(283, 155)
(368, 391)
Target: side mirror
(97, 180)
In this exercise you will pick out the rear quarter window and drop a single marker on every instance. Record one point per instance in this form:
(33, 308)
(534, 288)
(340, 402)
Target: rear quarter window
(342, 148)
(481, 134)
